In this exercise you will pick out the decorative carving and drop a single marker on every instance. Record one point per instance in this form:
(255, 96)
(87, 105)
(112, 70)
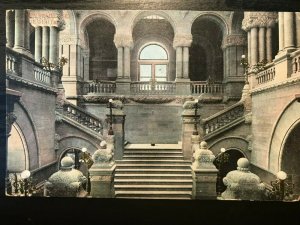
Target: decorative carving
(68, 39)
(103, 157)
(56, 141)
(259, 19)
(233, 40)
(123, 40)
(47, 18)
(182, 40)
(58, 117)
(10, 119)
(203, 157)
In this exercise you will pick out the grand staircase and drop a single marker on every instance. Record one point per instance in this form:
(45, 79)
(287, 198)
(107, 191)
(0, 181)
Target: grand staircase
(153, 172)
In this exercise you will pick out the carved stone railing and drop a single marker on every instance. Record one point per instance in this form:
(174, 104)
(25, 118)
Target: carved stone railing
(147, 88)
(42, 75)
(84, 118)
(223, 118)
(100, 87)
(12, 62)
(266, 75)
(296, 63)
(201, 87)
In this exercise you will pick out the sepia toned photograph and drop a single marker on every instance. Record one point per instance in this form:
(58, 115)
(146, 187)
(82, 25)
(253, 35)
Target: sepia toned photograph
(185, 104)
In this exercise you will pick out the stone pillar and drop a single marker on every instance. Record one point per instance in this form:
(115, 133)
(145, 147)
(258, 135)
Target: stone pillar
(269, 44)
(254, 46)
(289, 30)
(27, 32)
(281, 30)
(38, 44)
(45, 42)
(126, 62)
(120, 62)
(249, 45)
(179, 66)
(204, 173)
(19, 29)
(53, 54)
(297, 29)
(262, 43)
(102, 171)
(188, 121)
(185, 63)
(10, 28)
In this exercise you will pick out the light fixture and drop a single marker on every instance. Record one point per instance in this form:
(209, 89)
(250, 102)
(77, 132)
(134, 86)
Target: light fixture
(110, 131)
(195, 131)
(23, 185)
(87, 159)
(281, 188)
(220, 162)
(245, 64)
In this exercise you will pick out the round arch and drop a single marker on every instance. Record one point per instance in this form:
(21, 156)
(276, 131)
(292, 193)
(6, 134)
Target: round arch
(144, 14)
(235, 22)
(286, 122)
(214, 17)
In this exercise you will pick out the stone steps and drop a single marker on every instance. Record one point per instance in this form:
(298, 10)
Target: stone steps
(153, 172)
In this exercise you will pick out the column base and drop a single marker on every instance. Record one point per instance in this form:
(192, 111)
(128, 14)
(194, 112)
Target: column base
(183, 86)
(102, 181)
(23, 51)
(204, 183)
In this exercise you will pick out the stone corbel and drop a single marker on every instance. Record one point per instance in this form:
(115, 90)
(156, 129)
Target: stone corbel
(123, 40)
(259, 19)
(182, 40)
(234, 40)
(47, 18)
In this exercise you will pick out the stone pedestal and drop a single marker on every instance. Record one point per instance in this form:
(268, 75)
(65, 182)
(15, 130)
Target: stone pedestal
(102, 185)
(123, 86)
(204, 183)
(183, 86)
(204, 173)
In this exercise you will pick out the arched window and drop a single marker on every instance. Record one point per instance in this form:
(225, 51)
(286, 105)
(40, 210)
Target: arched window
(153, 63)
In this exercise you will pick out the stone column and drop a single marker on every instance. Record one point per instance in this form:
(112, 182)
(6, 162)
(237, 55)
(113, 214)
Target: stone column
(179, 66)
(45, 42)
(289, 30)
(127, 61)
(53, 56)
(297, 29)
(19, 29)
(262, 43)
(27, 32)
(281, 30)
(10, 28)
(249, 45)
(185, 63)
(269, 44)
(120, 62)
(38, 44)
(254, 46)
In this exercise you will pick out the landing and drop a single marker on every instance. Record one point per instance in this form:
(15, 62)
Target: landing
(157, 146)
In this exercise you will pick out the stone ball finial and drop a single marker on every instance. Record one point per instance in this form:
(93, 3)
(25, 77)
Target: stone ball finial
(67, 162)
(103, 144)
(243, 164)
(203, 145)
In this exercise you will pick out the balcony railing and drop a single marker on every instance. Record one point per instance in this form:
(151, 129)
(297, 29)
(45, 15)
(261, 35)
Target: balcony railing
(42, 75)
(223, 118)
(11, 63)
(201, 87)
(84, 118)
(160, 88)
(266, 75)
(100, 87)
(296, 64)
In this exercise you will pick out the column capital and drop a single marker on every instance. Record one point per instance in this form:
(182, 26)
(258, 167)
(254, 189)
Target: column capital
(259, 19)
(234, 40)
(47, 18)
(123, 40)
(182, 40)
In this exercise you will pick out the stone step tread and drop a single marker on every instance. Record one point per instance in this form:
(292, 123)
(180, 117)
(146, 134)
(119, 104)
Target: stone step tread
(156, 170)
(156, 146)
(153, 180)
(157, 160)
(151, 175)
(151, 152)
(157, 197)
(151, 192)
(151, 186)
(153, 165)
(152, 156)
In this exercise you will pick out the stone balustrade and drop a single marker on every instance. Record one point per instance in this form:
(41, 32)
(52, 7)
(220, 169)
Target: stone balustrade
(11, 63)
(223, 118)
(84, 118)
(296, 63)
(42, 75)
(266, 75)
(100, 87)
(201, 87)
(161, 88)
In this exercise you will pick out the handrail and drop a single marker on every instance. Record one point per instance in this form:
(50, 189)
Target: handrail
(200, 87)
(102, 86)
(158, 87)
(84, 118)
(267, 75)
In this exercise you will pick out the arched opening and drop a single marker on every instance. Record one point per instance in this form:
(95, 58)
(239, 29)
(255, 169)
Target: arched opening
(153, 63)
(153, 55)
(103, 54)
(206, 55)
(17, 157)
(290, 162)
